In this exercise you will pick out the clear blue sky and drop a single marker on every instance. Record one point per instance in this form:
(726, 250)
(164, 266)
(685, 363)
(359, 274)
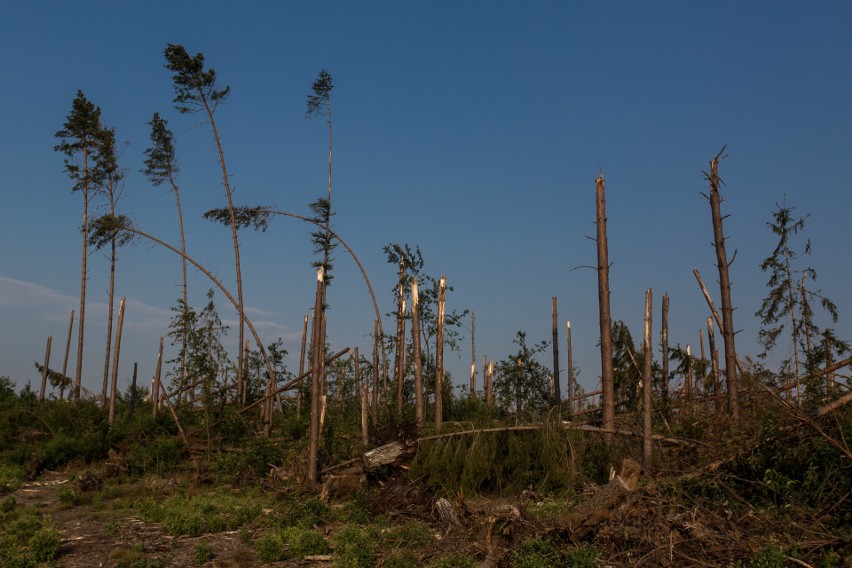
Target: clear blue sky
(474, 129)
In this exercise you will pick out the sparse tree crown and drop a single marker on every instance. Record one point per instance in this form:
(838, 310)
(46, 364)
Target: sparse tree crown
(195, 88)
(161, 163)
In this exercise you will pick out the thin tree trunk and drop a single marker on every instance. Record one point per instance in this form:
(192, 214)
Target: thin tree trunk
(607, 371)
(665, 340)
(439, 355)
(316, 368)
(687, 385)
(489, 395)
(793, 329)
(419, 406)
(115, 361)
(647, 448)
(45, 369)
(806, 327)
(111, 295)
(714, 362)
(472, 354)
(703, 357)
(557, 391)
(570, 370)
(155, 388)
(65, 361)
(82, 319)
(302, 366)
(182, 369)
(226, 182)
(725, 292)
(485, 375)
(400, 338)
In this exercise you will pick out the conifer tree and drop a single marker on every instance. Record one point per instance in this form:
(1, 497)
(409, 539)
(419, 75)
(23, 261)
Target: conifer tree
(79, 141)
(195, 91)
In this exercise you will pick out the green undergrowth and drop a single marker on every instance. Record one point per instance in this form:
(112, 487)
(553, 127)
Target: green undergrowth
(221, 509)
(27, 538)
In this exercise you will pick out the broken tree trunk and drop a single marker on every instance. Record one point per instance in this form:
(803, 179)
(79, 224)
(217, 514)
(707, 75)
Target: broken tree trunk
(472, 354)
(386, 455)
(570, 371)
(607, 370)
(723, 265)
(557, 392)
(316, 371)
(439, 355)
(647, 447)
(45, 368)
(302, 366)
(714, 362)
(601, 506)
(419, 406)
(664, 336)
(65, 361)
(375, 369)
(155, 387)
(115, 360)
(398, 366)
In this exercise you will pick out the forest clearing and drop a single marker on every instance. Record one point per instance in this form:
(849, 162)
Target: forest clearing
(354, 440)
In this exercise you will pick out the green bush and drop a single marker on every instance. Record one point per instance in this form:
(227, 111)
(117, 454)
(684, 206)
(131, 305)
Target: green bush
(270, 547)
(203, 552)
(304, 542)
(353, 548)
(44, 544)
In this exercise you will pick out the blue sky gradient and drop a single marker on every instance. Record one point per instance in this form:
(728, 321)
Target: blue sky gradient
(472, 129)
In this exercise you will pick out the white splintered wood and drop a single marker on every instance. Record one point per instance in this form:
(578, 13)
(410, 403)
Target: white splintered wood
(415, 297)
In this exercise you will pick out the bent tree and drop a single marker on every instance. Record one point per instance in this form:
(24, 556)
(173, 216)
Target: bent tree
(78, 140)
(161, 166)
(195, 91)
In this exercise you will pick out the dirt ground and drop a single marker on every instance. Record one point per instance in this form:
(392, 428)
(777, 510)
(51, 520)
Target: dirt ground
(105, 537)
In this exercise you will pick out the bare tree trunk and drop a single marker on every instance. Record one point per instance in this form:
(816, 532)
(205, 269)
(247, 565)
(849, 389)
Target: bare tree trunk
(647, 447)
(65, 361)
(703, 357)
(302, 366)
(439, 355)
(472, 354)
(714, 362)
(400, 337)
(115, 361)
(607, 371)
(111, 295)
(45, 369)
(316, 368)
(489, 395)
(665, 340)
(363, 396)
(806, 327)
(557, 392)
(687, 385)
(155, 388)
(85, 274)
(419, 405)
(725, 290)
(570, 371)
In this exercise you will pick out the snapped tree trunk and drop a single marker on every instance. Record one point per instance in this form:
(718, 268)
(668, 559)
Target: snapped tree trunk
(557, 393)
(302, 366)
(714, 362)
(647, 447)
(607, 371)
(115, 361)
(400, 338)
(439, 355)
(111, 295)
(65, 361)
(46, 367)
(316, 370)
(570, 371)
(472, 354)
(419, 405)
(725, 291)
(376, 370)
(155, 388)
(665, 341)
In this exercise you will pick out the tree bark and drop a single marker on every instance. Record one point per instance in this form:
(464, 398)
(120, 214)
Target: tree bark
(647, 447)
(111, 295)
(419, 405)
(714, 361)
(85, 274)
(570, 370)
(65, 361)
(46, 367)
(725, 291)
(665, 340)
(687, 385)
(472, 354)
(132, 392)
(439, 355)
(115, 361)
(316, 370)
(607, 371)
(557, 392)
